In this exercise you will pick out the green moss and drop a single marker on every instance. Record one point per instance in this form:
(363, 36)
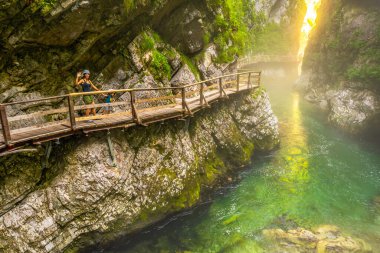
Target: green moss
(234, 27)
(45, 6)
(147, 43)
(213, 166)
(159, 66)
(365, 73)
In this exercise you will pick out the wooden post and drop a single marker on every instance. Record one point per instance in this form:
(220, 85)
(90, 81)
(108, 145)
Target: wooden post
(133, 106)
(238, 82)
(249, 80)
(5, 126)
(201, 94)
(73, 123)
(183, 93)
(220, 87)
(259, 79)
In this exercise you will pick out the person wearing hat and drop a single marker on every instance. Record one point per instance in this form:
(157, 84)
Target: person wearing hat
(83, 79)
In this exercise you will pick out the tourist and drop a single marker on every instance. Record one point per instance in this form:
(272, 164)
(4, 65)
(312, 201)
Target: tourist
(109, 99)
(83, 79)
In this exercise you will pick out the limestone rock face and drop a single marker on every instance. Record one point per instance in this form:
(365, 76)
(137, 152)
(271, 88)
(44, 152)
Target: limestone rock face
(159, 169)
(354, 110)
(185, 28)
(183, 77)
(341, 65)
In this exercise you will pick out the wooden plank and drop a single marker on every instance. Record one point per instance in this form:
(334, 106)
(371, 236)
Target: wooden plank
(44, 125)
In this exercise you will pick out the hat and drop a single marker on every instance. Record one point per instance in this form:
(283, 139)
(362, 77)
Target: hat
(86, 71)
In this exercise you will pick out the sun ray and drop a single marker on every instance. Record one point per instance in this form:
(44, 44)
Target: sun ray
(307, 26)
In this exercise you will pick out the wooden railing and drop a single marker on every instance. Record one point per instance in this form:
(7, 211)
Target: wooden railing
(68, 110)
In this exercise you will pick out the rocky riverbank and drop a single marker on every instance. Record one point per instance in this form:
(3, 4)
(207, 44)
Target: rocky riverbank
(341, 66)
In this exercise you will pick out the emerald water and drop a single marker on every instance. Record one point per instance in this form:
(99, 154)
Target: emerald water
(317, 176)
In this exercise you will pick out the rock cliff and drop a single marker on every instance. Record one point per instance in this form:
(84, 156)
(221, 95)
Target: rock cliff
(83, 198)
(341, 67)
(78, 195)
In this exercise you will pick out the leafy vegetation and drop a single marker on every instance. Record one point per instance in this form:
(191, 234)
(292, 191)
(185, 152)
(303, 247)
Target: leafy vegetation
(45, 6)
(147, 43)
(159, 66)
(234, 27)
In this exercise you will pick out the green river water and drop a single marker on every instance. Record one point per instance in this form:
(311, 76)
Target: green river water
(317, 176)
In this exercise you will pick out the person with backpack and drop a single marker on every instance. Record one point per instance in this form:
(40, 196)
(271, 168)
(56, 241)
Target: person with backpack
(83, 79)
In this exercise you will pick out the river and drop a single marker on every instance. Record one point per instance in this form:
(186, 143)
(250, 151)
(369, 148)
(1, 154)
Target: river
(317, 176)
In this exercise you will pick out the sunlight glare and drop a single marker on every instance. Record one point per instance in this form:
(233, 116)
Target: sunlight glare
(307, 26)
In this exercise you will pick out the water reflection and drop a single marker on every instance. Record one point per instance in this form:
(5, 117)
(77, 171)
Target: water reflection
(294, 158)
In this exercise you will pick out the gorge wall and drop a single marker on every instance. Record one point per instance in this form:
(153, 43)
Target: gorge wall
(160, 169)
(341, 70)
(78, 197)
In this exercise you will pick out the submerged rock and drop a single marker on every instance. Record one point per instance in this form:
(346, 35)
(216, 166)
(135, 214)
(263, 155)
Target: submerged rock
(323, 239)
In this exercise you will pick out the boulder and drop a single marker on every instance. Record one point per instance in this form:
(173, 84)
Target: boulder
(353, 110)
(326, 238)
(183, 77)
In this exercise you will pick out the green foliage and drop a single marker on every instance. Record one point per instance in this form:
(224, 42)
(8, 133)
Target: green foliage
(159, 66)
(129, 5)
(147, 43)
(366, 74)
(44, 6)
(234, 27)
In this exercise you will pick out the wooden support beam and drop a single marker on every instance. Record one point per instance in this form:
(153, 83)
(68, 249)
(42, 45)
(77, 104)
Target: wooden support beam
(185, 106)
(73, 123)
(135, 115)
(238, 82)
(249, 80)
(259, 79)
(5, 126)
(220, 87)
(204, 102)
(201, 94)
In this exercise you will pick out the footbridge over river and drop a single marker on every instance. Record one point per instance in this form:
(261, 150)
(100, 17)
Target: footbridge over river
(33, 122)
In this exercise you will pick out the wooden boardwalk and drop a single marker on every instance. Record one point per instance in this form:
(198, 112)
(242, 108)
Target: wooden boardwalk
(62, 116)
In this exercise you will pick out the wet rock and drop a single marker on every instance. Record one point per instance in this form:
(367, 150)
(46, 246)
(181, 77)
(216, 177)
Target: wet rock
(323, 239)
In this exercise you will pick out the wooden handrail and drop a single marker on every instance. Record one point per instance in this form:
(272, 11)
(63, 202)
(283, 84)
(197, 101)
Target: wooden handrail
(69, 108)
(160, 89)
